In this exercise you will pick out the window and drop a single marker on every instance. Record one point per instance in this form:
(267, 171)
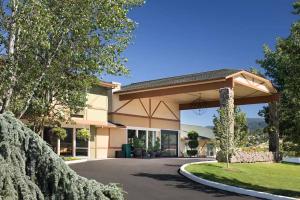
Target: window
(142, 135)
(151, 138)
(131, 133)
(81, 146)
(148, 137)
(66, 145)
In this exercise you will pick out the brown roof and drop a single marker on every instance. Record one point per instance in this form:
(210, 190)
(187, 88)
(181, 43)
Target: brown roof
(177, 80)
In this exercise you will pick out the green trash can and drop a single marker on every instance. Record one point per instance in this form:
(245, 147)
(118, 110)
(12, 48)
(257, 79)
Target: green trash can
(126, 150)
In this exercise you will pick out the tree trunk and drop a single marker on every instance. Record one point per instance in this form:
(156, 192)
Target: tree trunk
(11, 58)
(274, 132)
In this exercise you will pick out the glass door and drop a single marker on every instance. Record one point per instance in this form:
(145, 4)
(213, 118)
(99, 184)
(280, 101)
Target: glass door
(169, 143)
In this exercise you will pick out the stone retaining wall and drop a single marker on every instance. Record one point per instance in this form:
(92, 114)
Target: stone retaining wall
(251, 157)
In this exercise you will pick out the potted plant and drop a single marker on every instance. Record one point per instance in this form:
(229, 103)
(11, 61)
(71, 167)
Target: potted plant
(193, 143)
(156, 148)
(151, 152)
(138, 145)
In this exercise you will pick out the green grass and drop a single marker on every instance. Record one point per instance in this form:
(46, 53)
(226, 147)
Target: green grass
(276, 178)
(70, 158)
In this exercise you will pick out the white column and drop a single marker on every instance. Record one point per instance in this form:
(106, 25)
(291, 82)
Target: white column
(58, 146)
(74, 142)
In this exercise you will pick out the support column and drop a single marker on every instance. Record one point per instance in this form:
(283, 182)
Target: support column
(227, 103)
(58, 147)
(74, 142)
(274, 129)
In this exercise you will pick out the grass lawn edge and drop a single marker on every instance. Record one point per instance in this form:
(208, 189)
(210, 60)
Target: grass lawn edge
(230, 188)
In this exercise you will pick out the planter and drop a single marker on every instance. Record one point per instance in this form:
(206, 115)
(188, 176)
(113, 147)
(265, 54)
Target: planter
(291, 159)
(138, 152)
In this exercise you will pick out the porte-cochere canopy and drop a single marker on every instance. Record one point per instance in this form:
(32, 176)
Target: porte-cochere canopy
(201, 90)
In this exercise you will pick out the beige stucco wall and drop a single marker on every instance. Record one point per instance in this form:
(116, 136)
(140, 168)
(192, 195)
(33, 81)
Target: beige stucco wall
(97, 107)
(202, 148)
(106, 142)
(157, 112)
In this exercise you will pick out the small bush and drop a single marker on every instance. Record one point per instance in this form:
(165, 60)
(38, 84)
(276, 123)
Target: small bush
(193, 135)
(192, 152)
(61, 133)
(83, 134)
(221, 156)
(193, 144)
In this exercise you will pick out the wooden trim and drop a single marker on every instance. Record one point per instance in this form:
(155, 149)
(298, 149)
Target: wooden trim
(238, 101)
(150, 112)
(171, 86)
(156, 108)
(266, 81)
(108, 137)
(145, 117)
(114, 147)
(176, 117)
(107, 84)
(253, 87)
(177, 90)
(107, 148)
(123, 105)
(144, 107)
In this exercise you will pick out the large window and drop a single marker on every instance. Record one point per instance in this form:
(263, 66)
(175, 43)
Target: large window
(81, 146)
(148, 137)
(131, 134)
(66, 145)
(151, 138)
(169, 143)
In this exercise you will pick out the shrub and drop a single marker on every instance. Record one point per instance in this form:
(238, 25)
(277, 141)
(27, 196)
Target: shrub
(221, 156)
(137, 143)
(83, 134)
(192, 152)
(30, 169)
(193, 135)
(61, 133)
(156, 147)
(193, 143)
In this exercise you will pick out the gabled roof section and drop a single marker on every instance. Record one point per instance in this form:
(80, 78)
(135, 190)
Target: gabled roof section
(179, 80)
(203, 132)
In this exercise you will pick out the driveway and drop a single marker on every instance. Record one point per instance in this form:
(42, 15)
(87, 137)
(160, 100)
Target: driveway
(150, 179)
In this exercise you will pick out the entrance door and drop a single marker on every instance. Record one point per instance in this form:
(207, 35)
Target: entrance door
(169, 143)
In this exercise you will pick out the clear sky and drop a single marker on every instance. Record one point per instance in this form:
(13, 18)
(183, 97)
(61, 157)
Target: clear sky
(176, 37)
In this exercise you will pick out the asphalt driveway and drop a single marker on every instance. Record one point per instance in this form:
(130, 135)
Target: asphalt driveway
(150, 179)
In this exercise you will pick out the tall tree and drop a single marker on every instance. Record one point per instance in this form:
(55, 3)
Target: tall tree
(56, 49)
(282, 65)
(240, 128)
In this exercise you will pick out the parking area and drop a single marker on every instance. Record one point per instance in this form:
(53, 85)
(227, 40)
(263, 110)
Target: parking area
(150, 179)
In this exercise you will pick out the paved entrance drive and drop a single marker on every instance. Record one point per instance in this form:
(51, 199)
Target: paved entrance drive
(150, 179)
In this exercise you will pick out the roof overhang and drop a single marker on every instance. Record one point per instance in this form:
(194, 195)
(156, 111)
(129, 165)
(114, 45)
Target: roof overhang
(99, 124)
(248, 89)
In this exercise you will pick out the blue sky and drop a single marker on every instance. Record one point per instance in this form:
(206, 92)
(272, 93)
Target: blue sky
(176, 37)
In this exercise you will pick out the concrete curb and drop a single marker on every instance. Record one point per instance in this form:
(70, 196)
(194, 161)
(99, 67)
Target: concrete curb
(76, 161)
(229, 188)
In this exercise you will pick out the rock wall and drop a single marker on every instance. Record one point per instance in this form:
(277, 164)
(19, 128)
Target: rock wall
(252, 157)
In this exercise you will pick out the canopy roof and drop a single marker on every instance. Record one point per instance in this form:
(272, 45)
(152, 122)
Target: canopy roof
(202, 89)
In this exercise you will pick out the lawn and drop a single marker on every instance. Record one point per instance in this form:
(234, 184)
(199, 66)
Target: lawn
(276, 178)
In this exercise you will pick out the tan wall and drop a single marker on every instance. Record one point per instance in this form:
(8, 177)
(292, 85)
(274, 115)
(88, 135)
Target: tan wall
(158, 113)
(97, 107)
(106, 142)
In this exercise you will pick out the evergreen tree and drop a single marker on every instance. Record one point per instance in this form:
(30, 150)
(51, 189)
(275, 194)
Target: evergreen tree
(282, 66)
